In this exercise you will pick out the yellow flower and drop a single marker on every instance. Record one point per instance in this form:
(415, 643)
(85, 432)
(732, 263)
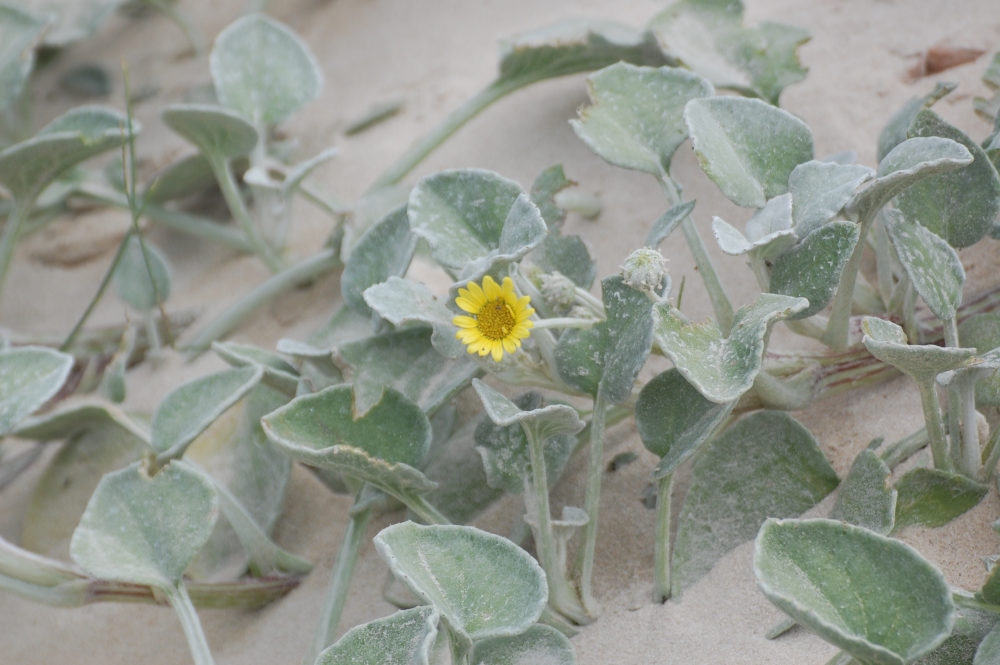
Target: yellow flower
(498, 321)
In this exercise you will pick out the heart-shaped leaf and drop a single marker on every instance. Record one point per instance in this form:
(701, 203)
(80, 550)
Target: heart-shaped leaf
(145, 530)
(887, 342)
(674, 419)
(216, 131)
(766, 465)
(812, 269)
(932, 497)
(263, 70)
(720, 368)
(540, 644)
(636, 119)
(138, 263)
(820, 190)
(400, 301)
(384, 251)
(709, 37)
(19, 33)
(484, 585)
(932, 265)
(29, 377)
(747, 147)
(189, 409)
(403, 638)
(865, 497)
(874, 597)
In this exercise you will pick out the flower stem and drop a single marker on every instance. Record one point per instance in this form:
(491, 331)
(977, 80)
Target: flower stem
(661, 544)
(935, 427)
(181, 602)
(238, 209)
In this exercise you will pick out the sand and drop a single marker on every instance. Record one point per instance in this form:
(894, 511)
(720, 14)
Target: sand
(433, 56)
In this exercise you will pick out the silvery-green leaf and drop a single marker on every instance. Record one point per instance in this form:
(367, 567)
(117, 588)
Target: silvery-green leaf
(550, 182)
(189, 409)
(145, 530)
(887, 342)
(897, 129)
(19, 35)
(909, 162)
(865, 497)
(579, 358)
(874, 597)
(474, 220)
(405, 360)
(989, 649)
(769, 231)
(400, 301)
(747, 147)
(568, 255)
(960, 206)
(932, 264)
(709, 37)
(484, 585)
(278, 373)
(932, 497)
(772, 220)
(982, 331)
(667, 222)
(766, 465)
(463, 489)
(990, 592)
(29, 377)
(216, 131)
(187, 176)
(539, 645)
(73, 418)
(629, 333)
(383, 447)
(503, 443)
(674, 419)
(820, 190)
(574, 46)
(971, 627)
(70, 21)
(26, 168)
(131, 278)
(403, 638)
(812, 269)
(384, 251)
(721, 368)
(636, 117)
(262, 70)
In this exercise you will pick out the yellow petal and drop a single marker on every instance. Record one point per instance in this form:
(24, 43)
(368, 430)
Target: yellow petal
(509, 345)
(464, 322)
(497, 352)
(468, 305)
(490, 288)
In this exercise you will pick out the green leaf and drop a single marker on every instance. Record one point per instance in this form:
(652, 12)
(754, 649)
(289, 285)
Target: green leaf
(820, 190)
(636, 117)
(29, 377)
(278, 373)
(897, 129)
(887, 342)
(132, 276)
(384, 447)
(484, 585)
(874, 597)
(145, 530)
(28, 167)
(971, 626)
(73, 21)
(989, 649)
(720, 368)
(474, 220)
(933, 266)
(20, 33)
(384, 251)
(550, 182)
(262, 70)
(812, 269)
(709, 37)
(766, 465)
(71, 419)
(960, 206)
(865, 497)
(539, 645)
(571, 47)
(629, 334)
(982, 331)
(747, 147)
(401, 301)
(932, 497)
(674, 419)
(217, 132)
(185, 177)
(667, 222)
(189, 409)
(768, 232)
(568, 255)
(403, 638)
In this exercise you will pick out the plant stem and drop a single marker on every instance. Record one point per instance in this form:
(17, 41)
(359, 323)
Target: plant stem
(661, 544)
(903, 449)
(971, 453)
(11, 231)
(585, 555)
(238, 209)
(340, 582)
(181, 602)
(303, 271)
(935, 427)
(423, 508)
(992, 452)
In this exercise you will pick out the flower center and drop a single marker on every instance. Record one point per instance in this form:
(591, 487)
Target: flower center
(496, 319)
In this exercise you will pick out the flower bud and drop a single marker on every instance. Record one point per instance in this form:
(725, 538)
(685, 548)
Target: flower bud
(645, 270)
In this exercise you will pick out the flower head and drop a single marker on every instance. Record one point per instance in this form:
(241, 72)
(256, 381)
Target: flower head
(498, 319)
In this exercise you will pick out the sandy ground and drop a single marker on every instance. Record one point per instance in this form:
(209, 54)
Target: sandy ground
(434, 55)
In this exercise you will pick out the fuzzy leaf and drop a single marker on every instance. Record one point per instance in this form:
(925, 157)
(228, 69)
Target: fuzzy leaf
(484, 585)
(217, 132)
(19, 36)
(812, 269)
(384, 251)
(72, 418)
(887, 342)
(550, 182)
(262, 70)
(132, 276)
(278, 373)
(539, 645)
(932, 264)
(989, 649)
(403, 638)
(667, 222)
(145, 530)
(768, 232)
(932, 497)
(982, 331)
(568, 255)
(636, 117)
(70, 22)
(29, 377)
(874, 597)
(747, 147)
(865, 497)
(820, 190)
(897, 129)
(400, 301)
(766, 465)
(629, 333)
(720, 368)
